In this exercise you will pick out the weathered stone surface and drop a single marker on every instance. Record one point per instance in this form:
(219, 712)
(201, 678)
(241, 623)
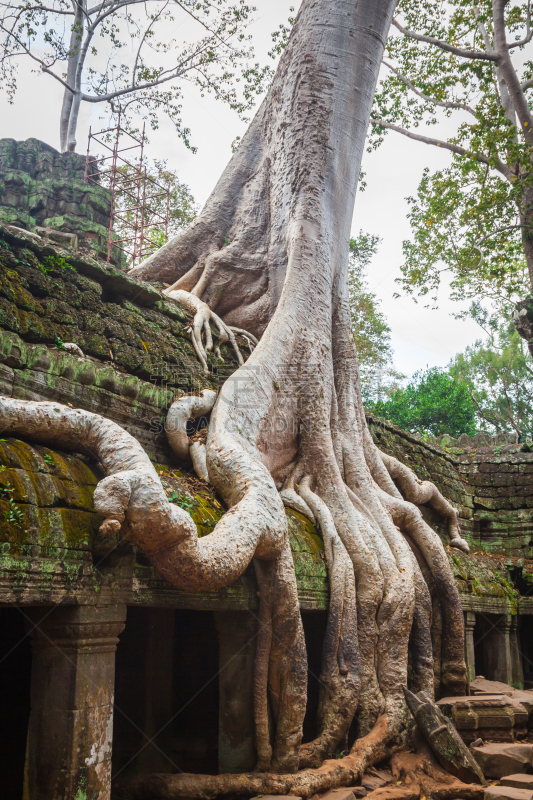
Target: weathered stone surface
(72, 695)
(498, 760)
(519, 781)
(507, 793)
(372, 782)
(345, 793)
(50, 549)
(522, 696)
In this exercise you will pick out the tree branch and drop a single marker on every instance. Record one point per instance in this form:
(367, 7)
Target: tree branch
(454, 148)
(47, 10)
(427, 98)
(529, 35)
(143, 37)
(475, 54)
(89, 98)
(40, 61)
(526, 85)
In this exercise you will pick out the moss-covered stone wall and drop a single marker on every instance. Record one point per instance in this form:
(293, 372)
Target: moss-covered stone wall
(138, 356)
(41, 187)
(491, 485)
(51, 550)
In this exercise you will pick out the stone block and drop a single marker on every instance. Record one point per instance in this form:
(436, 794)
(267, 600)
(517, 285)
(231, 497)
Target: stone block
(493, 717)
(481, 686)
(507, 793)
(62, 238)
(498, 760)
(519, 781)
(345, 793)
(276, 797)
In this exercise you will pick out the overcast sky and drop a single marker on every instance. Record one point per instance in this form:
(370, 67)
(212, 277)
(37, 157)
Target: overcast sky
(420, 337)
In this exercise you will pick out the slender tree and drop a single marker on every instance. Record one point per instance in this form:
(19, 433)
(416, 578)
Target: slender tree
(122, 54)
(463, 65)
(269, 251)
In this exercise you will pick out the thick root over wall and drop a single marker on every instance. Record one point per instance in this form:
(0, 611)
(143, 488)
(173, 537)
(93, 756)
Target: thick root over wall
(270, 252)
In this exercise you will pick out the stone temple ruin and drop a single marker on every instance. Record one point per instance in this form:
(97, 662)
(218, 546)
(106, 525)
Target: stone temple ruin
(106, 667)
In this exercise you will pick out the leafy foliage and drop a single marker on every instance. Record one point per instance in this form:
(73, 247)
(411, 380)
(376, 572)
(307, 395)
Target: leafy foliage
(499, 378)
(433, 402)
(123, 54)
(370, 329)
(456, 64)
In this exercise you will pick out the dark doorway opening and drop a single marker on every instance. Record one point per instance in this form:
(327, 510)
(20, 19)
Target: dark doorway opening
(15, 679)
(166, 693)
(196, 696)
(314, 624)
(481, 634)
(526, 647)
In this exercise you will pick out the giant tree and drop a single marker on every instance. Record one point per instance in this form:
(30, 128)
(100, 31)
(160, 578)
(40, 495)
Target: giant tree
(269, 253)
(123, 56)
(461, 69)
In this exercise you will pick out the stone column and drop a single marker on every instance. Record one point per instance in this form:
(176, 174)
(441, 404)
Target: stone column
(72, 694)
(517, 667)
(498, 651)
(236, 736)
(470, 624)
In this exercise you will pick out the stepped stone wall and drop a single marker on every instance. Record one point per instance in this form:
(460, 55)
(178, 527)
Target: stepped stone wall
(40, 187)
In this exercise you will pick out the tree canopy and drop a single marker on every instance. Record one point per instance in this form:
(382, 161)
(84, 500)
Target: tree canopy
(499, 377)
(433, 402)
(463, 65)
(123, 55)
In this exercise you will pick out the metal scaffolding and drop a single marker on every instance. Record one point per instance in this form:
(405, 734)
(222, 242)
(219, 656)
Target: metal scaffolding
(134, 212)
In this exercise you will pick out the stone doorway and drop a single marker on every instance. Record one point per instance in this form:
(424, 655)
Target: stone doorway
(166, 693)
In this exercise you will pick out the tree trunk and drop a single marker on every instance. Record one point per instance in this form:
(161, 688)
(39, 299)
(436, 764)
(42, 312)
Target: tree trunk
(76, 37)
(270, 252)
(523, 312)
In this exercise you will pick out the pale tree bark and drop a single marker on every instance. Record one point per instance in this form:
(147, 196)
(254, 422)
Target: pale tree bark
(76, 38)
(270, 253)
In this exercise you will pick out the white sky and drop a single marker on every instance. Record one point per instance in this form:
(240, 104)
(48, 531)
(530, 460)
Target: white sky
(420, 337)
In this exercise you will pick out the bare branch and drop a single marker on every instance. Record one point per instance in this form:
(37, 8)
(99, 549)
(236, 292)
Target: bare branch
(526, 85)
(454, 148)
(480, 55)
(44, 66)
(143, 38)
(522, 42)
(47, 10)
